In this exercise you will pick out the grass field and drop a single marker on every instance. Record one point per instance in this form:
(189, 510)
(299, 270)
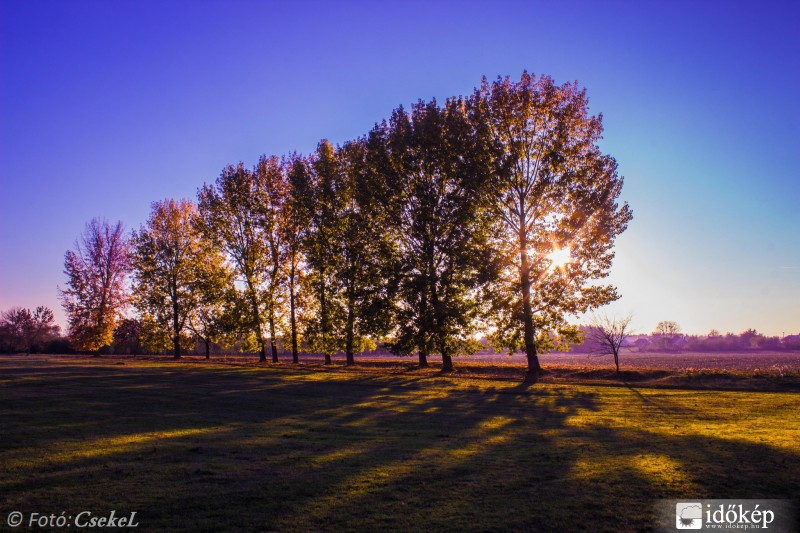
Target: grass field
(199, 447)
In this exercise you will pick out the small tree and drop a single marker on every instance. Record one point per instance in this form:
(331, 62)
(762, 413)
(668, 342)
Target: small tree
(608, 334)
(666, 333)
(212, 318)
(127, 337)
(23, 330)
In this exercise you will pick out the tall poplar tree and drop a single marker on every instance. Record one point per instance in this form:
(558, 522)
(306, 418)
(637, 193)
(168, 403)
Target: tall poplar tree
(436, 169)
(363, 269)
(319, 179)
(272, 191)
(295, 229)
(554, 190)
(231, 217)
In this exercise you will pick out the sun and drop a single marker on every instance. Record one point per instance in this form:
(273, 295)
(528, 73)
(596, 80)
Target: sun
(559, 257)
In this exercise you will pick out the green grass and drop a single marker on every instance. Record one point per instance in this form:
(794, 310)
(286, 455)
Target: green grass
(243, 448)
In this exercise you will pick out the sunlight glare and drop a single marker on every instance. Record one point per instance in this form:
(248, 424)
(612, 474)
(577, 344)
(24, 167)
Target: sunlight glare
(559, 257)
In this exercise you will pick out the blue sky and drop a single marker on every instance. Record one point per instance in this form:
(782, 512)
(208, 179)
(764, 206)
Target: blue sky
(108, 106)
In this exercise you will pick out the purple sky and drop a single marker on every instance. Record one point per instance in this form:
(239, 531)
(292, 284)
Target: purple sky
(107, 106)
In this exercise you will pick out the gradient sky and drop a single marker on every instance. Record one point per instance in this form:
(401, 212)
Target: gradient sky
(108, 106)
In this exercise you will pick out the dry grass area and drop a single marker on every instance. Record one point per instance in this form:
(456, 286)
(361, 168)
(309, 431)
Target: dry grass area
(766, 372)
(238, 446)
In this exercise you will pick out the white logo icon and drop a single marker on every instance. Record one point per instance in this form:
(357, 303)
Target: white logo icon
(689, 515)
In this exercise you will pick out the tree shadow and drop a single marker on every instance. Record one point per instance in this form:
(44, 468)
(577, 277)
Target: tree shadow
(297, 452)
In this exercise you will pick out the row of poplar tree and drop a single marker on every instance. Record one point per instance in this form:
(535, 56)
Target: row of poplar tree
(437, 225)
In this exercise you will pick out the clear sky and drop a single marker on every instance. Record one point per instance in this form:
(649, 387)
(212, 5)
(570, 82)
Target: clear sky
(108, 106)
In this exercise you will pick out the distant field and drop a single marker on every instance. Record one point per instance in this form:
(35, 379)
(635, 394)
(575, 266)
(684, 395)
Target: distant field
(248, 447)
(786, 361)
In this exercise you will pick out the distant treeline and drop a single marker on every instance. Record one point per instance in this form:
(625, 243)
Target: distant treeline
(747, 341)
(31, 331)
(26, 331)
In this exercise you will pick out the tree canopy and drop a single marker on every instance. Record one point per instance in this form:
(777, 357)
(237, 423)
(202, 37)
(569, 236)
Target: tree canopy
(172, 264)
(435, 174)
(96, 294)
(23, 330)
(554, 190)
(237, 215)
(494, 214)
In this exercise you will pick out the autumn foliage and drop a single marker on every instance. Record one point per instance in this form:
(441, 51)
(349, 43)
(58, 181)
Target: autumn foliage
(435, 227)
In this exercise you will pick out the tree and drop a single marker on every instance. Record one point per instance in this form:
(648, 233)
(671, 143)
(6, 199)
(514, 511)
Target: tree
(212, 318)
(555, 191)
(95, 295)
(364, 248)
(666, 333)
(154, 338)
(608, 334)
(273, 189)
(318, 178)
(13, 324)
(167, 253)
(435, 174)
(232, 215)
(23, 330)
(127, 336)
(294, 227)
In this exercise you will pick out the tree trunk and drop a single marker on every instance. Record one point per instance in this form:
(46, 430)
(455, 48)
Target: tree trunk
(323, 318)
(176, 340)
(423, 357)
(616, 360)
(422, 337)
(349, 359)
(272, 335)
(262, 356)
(447, 363)
(292, 319)
(272, 282)
(527, 313)
(422, 334)
(176, 330)
(208, 348)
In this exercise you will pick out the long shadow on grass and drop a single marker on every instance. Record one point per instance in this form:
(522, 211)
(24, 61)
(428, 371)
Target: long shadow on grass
(228, 450)
(510, 459)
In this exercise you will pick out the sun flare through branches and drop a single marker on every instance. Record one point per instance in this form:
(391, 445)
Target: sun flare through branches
(559, 257)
